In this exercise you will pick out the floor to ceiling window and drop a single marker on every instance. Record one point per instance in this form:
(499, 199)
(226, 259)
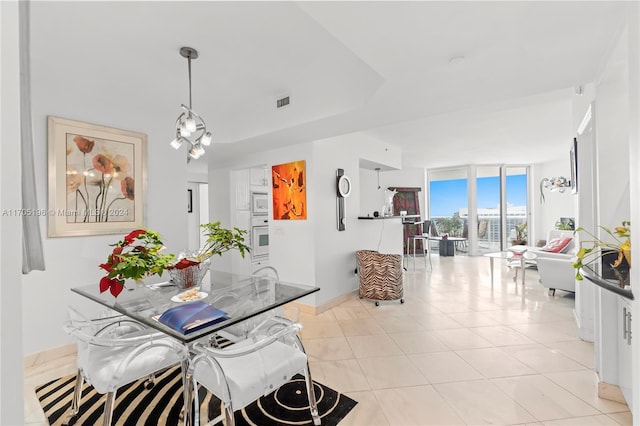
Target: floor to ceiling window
(491, 199)
(448, 200)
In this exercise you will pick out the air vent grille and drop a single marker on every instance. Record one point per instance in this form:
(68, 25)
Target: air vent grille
(282, 102)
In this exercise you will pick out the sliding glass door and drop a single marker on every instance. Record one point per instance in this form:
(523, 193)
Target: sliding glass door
(489, 202)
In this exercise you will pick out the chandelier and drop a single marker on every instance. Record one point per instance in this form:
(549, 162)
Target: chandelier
(190, 127)
(553, 184)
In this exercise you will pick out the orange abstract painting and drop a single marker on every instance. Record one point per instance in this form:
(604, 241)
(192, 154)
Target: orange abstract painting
(289, 191)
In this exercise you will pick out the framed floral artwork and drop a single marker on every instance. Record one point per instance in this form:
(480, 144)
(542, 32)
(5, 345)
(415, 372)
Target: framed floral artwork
(289, 190)
(97, 179)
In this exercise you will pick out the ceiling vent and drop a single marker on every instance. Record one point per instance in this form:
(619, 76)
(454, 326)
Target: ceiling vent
(283, 102)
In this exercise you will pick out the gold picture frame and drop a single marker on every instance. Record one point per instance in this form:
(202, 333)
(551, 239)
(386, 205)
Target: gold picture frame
(97, 179)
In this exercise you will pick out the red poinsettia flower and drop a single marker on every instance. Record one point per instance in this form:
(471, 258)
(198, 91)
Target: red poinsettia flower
(184, 263)
(103, 164)
(84, 145)
(107, 267)
(117, 250)
(129, 238)
(127, 187)
(114, 285)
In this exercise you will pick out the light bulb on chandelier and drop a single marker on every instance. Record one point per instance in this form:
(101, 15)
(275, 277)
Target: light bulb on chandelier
(190, 127)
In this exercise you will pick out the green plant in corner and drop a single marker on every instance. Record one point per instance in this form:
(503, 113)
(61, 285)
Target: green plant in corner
(521, 234)
(597, 248)
(564, 225)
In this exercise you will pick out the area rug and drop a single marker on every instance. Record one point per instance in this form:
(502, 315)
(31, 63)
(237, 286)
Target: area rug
(162, 404)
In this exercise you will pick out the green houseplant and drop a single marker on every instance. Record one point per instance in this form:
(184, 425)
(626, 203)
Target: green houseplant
(521, 235)
(192, 267)
(136, 256)
(594, 249)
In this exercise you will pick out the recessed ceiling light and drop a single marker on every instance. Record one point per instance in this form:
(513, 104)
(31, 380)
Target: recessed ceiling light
(456, 61)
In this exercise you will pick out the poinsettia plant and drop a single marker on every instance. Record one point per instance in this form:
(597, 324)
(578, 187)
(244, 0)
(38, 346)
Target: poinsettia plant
(136, 256)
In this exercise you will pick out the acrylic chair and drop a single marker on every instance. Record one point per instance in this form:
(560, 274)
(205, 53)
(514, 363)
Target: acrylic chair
(114, 351)
(274, 353)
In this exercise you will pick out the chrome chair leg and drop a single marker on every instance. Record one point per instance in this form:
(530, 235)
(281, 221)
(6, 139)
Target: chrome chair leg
(108, 408)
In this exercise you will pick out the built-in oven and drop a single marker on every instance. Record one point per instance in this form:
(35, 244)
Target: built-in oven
(259, 203)
(259, 237)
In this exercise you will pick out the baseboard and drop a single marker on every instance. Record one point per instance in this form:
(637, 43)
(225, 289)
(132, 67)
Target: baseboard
(610, 392)
(316, 310)
(47, 355)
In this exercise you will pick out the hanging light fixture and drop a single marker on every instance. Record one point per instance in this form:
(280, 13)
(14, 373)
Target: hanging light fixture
(553, 184)
(190, 127)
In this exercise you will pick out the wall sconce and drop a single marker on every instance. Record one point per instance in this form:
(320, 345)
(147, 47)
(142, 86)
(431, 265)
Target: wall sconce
(553, 184)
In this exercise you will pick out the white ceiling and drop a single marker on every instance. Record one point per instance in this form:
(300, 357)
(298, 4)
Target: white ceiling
(379, 67)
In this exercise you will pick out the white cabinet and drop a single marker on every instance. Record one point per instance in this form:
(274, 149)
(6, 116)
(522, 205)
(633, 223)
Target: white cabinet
(257, 264)
(240, 189)
(624, 348)
(259, 179)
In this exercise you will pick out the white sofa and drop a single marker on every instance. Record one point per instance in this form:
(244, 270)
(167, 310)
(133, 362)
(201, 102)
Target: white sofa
(556, 272)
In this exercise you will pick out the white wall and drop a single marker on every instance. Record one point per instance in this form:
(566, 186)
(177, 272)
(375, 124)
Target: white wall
(372, 199)
(556, 204)
(11, 330)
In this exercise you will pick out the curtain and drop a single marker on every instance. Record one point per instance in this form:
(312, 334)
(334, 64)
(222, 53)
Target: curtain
(32, 253)
(406, 199)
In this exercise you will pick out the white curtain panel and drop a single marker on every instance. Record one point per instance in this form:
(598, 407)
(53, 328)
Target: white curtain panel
(32, 253)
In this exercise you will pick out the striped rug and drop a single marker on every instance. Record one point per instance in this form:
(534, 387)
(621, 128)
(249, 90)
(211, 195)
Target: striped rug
(162, 404)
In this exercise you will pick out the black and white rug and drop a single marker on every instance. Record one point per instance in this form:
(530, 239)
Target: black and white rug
(162, 405)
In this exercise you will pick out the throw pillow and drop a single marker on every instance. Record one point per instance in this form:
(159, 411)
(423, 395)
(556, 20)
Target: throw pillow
(556, 245)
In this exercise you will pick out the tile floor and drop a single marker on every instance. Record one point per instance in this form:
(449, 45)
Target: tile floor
(458, 351)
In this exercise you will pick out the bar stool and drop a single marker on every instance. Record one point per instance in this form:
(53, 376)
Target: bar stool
(425, 238)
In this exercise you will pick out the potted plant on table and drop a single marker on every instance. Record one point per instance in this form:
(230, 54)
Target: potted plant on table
(136, 256)
(521, 235)
(596, 249)
(192, 267)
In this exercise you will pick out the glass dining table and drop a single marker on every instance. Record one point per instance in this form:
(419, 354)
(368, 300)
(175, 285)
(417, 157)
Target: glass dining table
(241, 297)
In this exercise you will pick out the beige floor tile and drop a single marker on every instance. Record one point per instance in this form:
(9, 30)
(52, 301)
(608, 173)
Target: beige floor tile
(601, 420)
(579, 351)
(321, 329)
(625, 419)
(417, 343)
(442, 367)
(355, 312)
(584, 385)
(342, 375)
(546, 360)
(461, 338)
(493, 362)
(373, 346)
(360, 327)
(481, 402)
(391, 372)
(501, 335)
(544, 399)
(472, 319)
(367, 412)
(547, 332)
(417, 405)
(324, 316)
(331, 349)
(400, 324)
(438, 322)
